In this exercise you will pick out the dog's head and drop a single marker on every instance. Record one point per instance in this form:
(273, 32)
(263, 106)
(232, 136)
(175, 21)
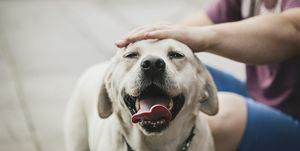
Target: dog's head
(152, 82)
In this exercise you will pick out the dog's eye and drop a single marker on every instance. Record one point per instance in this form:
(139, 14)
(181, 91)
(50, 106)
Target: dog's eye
(175, 55)
(131, 55)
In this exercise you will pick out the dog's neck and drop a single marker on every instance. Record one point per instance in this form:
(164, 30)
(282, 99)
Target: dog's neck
(183, 147)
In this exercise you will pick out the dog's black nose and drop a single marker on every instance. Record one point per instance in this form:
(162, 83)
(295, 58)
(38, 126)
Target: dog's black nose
(153, 64)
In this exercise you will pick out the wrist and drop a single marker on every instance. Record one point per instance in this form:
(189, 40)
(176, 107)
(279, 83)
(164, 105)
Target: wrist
(211, 38)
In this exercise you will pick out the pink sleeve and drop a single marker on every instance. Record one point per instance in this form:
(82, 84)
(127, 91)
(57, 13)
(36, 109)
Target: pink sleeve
(287, 4)
(221, 11)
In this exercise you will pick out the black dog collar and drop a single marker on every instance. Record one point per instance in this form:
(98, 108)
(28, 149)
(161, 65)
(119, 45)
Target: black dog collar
(184, 147)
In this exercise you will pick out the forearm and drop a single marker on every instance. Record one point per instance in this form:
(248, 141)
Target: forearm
(197, 19)
(259, 40)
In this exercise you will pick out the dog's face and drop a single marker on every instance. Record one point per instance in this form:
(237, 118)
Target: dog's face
(152, 82)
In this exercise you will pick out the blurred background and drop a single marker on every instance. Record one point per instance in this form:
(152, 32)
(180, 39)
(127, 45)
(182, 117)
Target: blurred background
(46, 44)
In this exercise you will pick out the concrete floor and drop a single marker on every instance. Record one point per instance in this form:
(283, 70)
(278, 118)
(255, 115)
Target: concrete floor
(46, 44)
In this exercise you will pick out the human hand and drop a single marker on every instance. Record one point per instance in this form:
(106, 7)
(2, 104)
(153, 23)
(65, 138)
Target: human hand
(197, 38)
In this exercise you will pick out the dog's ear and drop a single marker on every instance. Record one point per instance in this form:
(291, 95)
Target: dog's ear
(209, 104)
(209, 101)
(104, 101)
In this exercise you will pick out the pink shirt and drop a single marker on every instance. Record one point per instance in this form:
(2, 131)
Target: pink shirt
(276, 85)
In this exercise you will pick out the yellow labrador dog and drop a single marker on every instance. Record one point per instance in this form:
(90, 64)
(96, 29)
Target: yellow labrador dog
(147, 98)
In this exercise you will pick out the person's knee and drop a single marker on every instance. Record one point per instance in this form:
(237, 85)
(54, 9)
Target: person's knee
(232, 112)
(228, 125)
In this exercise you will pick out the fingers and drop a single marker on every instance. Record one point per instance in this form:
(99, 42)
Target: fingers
(159, 34)
(197, 38)
(145, 32)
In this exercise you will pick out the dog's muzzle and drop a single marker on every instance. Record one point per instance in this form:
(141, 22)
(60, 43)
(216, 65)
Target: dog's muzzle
(154, 108)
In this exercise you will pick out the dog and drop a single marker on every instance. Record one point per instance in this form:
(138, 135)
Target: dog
(150, 96)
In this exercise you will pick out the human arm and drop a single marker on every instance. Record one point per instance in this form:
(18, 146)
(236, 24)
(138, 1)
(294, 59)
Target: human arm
(258, 40)
(198, 19)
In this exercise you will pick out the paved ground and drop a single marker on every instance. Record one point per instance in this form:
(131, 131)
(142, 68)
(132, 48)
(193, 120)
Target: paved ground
(46, 44)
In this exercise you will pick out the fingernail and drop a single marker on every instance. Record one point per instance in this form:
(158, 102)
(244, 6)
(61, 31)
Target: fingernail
(119, 42)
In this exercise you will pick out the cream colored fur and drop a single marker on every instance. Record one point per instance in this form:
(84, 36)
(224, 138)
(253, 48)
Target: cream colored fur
(97, 119)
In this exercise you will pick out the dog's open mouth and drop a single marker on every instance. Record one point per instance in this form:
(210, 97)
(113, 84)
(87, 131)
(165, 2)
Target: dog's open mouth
(154, 108)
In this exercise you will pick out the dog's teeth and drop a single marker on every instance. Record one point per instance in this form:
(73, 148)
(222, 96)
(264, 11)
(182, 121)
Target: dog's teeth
(171, 104)
(137, 105)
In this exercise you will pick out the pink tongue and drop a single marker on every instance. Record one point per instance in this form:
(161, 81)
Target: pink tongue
(154, 109)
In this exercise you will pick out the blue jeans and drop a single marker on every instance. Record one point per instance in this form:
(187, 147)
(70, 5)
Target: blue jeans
(267, 129)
